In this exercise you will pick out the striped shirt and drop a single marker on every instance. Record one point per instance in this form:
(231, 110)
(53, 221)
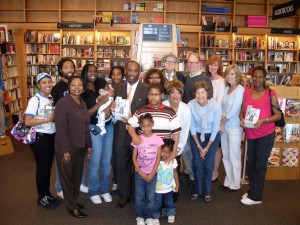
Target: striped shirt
(165, 120)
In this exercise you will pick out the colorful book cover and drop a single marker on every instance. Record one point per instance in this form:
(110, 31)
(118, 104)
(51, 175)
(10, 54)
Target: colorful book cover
(122, 108)
(282, 104)
(273, 160)
(278, 135)
(252, 115)
(292, 133)
(292, 108)
(290, 157)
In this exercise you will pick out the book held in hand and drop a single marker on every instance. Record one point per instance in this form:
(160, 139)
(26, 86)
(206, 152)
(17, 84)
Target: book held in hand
(252, 115)
(122, 108)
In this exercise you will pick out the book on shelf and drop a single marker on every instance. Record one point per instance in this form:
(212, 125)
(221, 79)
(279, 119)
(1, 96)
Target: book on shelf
(279, 56)
(290, 157)
(288, 56)
(292, 133)
(274, 158)
(292, 108)
(282, 104)
(252, 115)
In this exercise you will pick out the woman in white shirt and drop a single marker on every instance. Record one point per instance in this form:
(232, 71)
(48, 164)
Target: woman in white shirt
(232, 131)
(214, 67)
(40, 114)
(183, 112)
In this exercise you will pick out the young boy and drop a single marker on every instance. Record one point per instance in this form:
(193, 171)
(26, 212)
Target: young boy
(166, 123)
(167, 183)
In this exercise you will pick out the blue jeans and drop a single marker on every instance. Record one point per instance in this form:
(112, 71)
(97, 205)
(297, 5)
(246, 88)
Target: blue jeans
(144, 196)
(58, 187)
(168, 200)
(206, 166)
(100, 159)
(258, 151)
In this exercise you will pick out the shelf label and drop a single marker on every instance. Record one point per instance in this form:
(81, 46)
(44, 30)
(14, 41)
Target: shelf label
(284, 31)
(70, 25)
(285, 10)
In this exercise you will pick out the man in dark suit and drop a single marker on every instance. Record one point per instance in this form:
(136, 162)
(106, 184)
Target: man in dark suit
(170, 62)
(136, 92)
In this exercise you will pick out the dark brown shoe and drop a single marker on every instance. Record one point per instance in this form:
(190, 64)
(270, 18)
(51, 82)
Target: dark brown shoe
(222, 188)
(77, 213)
(122, 203)
(229, 190)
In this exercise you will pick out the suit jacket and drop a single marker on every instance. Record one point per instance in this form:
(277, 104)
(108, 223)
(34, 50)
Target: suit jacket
(178, 76)
(140, 98)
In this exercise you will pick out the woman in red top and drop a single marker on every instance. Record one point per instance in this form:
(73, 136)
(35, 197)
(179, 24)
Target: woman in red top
(260, 138)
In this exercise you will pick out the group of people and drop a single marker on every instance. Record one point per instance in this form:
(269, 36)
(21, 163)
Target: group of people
(199, 116)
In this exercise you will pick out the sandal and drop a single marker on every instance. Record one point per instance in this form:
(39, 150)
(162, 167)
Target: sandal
(207, 198)
(194, 197)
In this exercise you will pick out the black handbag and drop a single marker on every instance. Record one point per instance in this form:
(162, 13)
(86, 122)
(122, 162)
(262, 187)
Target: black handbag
(281, 121)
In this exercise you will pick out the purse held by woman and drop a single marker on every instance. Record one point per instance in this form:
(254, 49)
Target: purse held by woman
(281, 121)
(22, 133)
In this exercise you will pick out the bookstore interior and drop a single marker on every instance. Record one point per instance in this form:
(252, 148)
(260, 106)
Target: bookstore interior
(35, 34)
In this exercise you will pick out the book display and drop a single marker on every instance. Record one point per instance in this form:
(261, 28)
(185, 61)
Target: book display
(112, 49)
(283, 161)
(42, 55)
(9, 75)
(282, 53)
(79, 46)
(249, 51)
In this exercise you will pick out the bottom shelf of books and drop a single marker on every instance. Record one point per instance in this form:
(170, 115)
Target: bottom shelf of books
(283, 163)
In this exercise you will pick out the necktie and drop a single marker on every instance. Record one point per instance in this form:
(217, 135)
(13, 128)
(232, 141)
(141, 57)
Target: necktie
(169, 77)
(129, 98)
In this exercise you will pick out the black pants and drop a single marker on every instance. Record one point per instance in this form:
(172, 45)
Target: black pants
(43, 150)
(71, 175)
(258, 151)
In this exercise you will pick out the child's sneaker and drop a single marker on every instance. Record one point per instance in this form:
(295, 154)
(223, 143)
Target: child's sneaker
(140, 221)
(156, 222)
(149, 221)
(171, 219)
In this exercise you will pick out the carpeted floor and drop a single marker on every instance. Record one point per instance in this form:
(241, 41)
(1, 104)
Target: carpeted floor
(281, 203)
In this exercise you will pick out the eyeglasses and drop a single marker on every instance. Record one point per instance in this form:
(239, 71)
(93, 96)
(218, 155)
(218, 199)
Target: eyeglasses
(170, 62)
(153, 94)
(193, 63)
(154, 77)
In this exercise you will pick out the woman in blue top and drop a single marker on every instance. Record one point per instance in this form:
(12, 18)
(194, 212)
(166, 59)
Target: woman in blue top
(205, 132)
(232, 131)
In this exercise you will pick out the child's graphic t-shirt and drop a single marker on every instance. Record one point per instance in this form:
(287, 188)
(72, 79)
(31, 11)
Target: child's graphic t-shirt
(147, 152)
(165, 177)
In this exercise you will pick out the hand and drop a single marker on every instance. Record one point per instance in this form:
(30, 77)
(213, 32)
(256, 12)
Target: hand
(136, 140)
(89, 153)
(259, 123)
(222, 129)
(67, 157)
(243, 123)
(102, 99)
(202, 151)
(149, 177)
(176, 189)
(51, 117)
(170, 159)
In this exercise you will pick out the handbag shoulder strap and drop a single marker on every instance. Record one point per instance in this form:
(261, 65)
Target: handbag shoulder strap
(274, 106)
(38, 104)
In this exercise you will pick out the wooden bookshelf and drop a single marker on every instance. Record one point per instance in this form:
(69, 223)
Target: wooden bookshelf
(13, 101)
(285, 173)
(185, 12)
